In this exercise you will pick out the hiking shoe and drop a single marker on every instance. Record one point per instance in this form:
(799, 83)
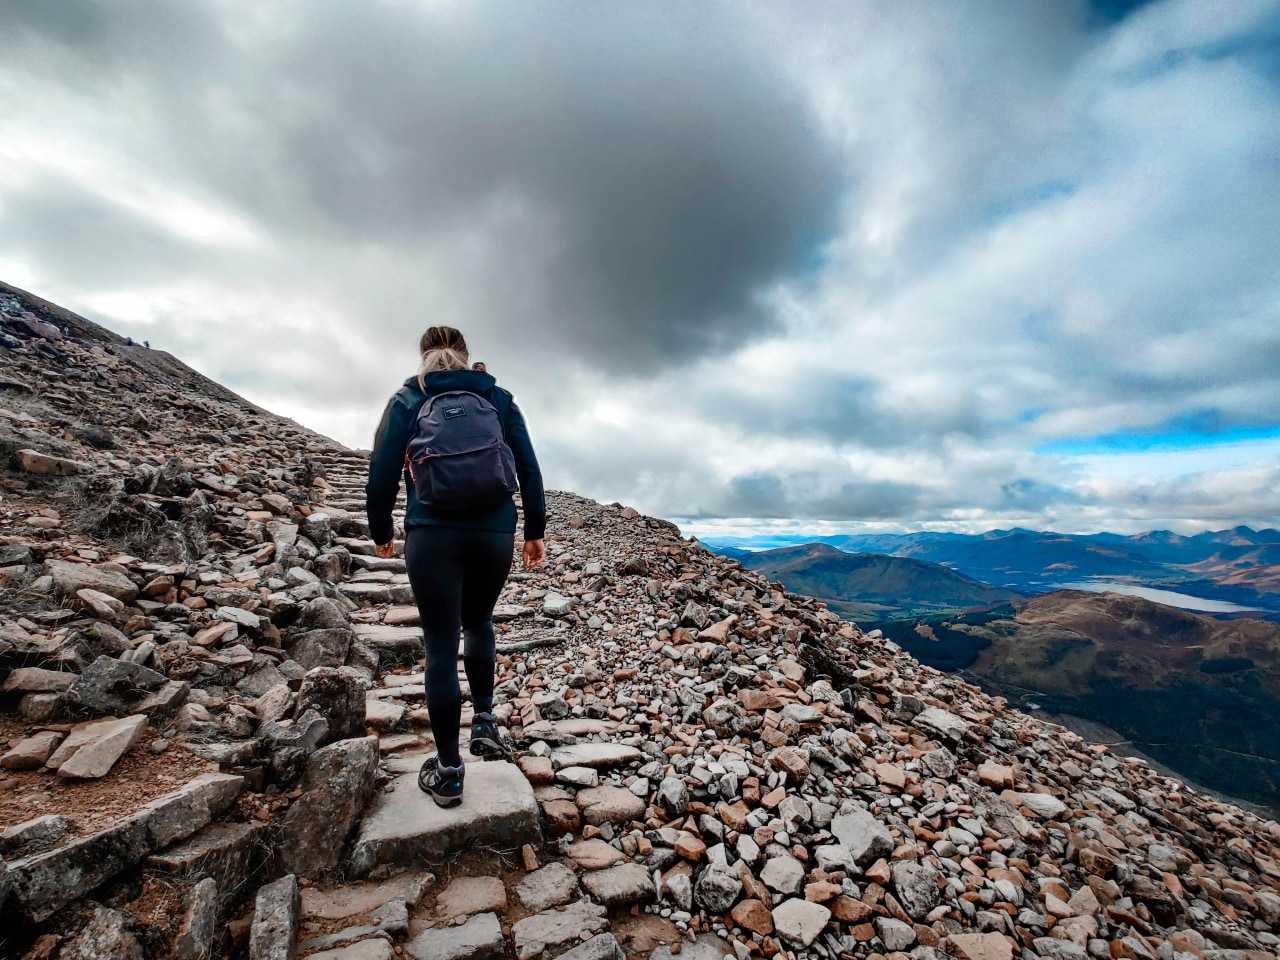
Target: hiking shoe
(486, 742)
(444, 784)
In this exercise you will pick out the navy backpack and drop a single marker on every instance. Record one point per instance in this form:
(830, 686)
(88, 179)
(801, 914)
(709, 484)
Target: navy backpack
(458, 455)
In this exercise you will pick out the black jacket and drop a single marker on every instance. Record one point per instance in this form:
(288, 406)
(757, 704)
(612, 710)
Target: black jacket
(387, 466)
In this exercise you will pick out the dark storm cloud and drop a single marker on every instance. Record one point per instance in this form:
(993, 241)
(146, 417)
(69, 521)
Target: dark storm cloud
(949, 239)
(670, 172)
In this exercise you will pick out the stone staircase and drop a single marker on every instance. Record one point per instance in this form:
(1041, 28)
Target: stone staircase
(402, 833)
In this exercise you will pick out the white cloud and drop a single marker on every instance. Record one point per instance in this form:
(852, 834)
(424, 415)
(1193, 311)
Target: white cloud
(839, 264)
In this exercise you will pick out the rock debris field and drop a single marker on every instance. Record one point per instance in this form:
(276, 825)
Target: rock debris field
(213, 718)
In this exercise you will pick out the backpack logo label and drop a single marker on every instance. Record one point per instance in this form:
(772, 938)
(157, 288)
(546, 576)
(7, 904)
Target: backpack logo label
(451, 413)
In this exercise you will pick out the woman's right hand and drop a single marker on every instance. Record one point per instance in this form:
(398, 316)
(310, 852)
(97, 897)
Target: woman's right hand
(533, 553)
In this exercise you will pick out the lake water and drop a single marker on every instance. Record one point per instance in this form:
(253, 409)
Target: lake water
(1169, 597)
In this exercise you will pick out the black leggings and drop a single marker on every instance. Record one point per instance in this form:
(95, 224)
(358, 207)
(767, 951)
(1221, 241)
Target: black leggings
(456, 577)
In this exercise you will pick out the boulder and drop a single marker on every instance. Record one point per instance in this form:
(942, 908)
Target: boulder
(399, 828)
(113, 686)
(339, 781)
(287, 746)
(716, 889)
(198, 930)
(326, 647)
(275, 920)
(30, 753)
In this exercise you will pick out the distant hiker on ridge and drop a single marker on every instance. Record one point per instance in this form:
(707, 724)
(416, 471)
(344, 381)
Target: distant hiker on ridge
(462, 445)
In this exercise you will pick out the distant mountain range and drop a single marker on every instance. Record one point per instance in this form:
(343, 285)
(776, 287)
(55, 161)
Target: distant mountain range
(1239, 565)
(1199, 694)
(865, 586)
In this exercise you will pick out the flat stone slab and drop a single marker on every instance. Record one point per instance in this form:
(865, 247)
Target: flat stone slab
(355, 899)
(598, 756)
(623, 884)
(46, 882)
(553, 929)
(231, 853)
(550, 886)
(469, 895)
(378, 949)
(404, 826)
(92, 749)
(480, 938)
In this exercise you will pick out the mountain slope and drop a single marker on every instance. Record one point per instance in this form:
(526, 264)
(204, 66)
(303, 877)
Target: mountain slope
(1197, 693)
(196, 575)
(868, 585)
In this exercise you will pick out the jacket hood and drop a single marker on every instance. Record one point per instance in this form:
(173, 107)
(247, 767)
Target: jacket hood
(442, 381)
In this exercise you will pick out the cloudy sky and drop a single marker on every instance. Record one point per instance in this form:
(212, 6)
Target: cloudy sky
(751, 265)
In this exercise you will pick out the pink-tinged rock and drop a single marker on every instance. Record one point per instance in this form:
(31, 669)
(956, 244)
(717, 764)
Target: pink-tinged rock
(31, 752)
(92, 749)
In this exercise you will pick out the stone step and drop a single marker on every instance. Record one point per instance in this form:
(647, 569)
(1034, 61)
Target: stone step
(403, 826)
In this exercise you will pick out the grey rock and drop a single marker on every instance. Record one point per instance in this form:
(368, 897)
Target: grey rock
(228, 853)
(894, 934)
(785, 874)
(916, 885)
(375, 949)
(942, 724)
(716, 889)
(480, 938)
(322, 613)
(111, 686)
(556, 604)
(400, 829)
(603, 946)
(625, 883)
(339, 781)
(595, 755)
(552, 929)
(547, 887)
(199, 926)
(70, 577)
(800, 921)
(287, 746)
(338, 696)
(1055, 949)
(32, 836)
(673, 795)
(326, 647)
(107, 934)
(863, 835)
(275, 920)
(46, 882)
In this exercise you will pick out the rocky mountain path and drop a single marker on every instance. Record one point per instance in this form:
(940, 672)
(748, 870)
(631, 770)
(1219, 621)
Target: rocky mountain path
(211, 705)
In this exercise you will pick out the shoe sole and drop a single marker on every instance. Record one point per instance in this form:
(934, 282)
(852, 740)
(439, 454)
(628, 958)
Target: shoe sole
(446, 801)
(486, 749)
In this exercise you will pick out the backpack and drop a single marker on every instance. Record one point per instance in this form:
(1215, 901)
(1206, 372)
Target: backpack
(458, 455)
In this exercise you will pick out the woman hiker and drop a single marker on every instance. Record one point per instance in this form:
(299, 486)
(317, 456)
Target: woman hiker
(462, 446)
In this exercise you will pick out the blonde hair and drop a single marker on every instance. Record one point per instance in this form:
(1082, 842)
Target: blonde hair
(442, 348)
